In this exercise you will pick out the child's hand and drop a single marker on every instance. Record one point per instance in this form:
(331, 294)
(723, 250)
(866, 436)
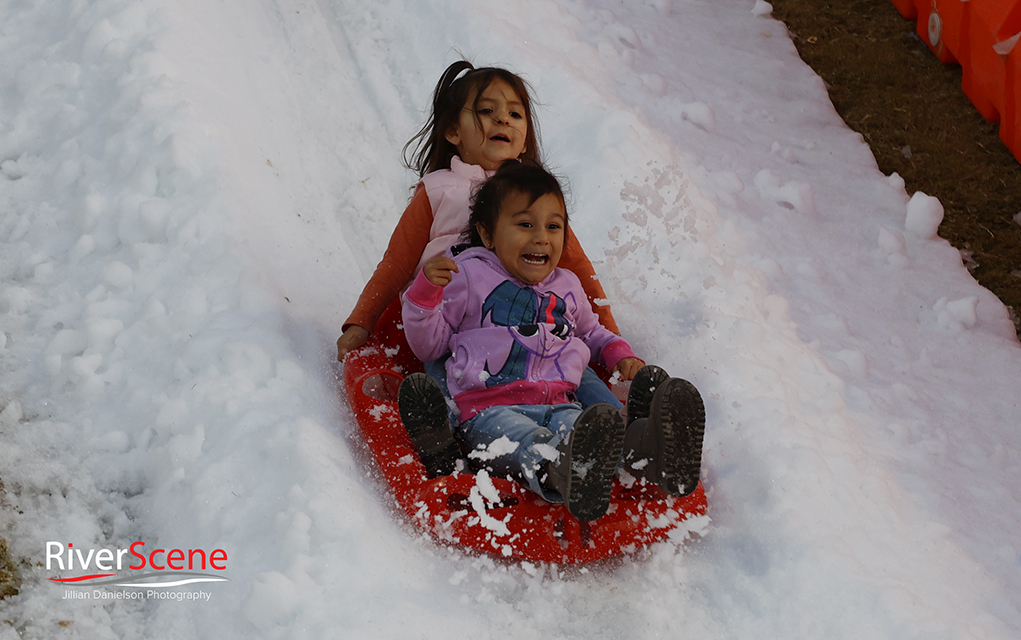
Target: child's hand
(438, 270)
(627, 368)
(353, 338)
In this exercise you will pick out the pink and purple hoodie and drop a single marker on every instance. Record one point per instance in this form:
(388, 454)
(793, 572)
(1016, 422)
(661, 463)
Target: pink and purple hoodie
(510, 343)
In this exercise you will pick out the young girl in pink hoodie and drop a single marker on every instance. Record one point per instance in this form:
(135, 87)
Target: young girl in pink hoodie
(520, 334)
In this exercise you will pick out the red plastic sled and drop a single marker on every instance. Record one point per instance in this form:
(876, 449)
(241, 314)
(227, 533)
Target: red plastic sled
(494, 515)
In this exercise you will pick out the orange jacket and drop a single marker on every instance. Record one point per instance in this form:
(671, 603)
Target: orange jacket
(397, 268)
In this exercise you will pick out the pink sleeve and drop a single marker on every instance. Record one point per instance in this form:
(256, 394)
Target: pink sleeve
(614, 352)
(427, 331)
(424, 293)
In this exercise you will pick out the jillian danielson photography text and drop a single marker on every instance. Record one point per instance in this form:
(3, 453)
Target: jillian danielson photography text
(142, 594)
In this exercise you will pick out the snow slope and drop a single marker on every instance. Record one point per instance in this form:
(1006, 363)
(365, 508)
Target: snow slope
(192, 195)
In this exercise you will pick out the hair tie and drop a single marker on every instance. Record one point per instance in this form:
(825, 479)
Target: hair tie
(461, 74)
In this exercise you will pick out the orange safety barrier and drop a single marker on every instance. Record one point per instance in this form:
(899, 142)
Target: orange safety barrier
(982, 36)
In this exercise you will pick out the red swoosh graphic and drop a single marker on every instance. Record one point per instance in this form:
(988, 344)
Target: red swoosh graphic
(80, 578)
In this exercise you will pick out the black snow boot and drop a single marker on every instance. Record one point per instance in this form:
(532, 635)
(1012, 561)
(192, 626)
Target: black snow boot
(643, 387)
(425, 415)
(584, 472)
(666, 447)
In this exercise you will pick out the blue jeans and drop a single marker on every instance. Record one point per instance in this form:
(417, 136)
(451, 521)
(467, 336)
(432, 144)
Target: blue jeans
(526, 428)
(592, 389)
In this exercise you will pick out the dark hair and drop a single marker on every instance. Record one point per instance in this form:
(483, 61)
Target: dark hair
(429, 150)
(512, 177)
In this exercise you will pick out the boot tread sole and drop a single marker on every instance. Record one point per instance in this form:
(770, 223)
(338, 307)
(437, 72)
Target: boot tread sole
(682, 414)
(597, 438)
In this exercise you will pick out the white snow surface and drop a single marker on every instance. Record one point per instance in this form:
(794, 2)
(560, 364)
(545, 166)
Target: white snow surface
(193, 193)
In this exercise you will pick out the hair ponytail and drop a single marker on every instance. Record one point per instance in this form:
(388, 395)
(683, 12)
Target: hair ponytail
(429, 150)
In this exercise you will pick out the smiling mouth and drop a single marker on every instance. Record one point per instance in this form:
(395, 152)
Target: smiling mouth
(537, 259)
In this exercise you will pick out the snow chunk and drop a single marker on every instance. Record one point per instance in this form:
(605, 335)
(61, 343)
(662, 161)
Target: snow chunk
(895, 245)
(794, 195)
(701, 115)
(665, 7)
(12, 170)
(925, 213)
(67, 342)
(896, 181)
(762, 8)
(548, 452)
(486, 487)
(853, 364)
(113, 442)
(892, 241)
(11, 414)
(272, 600)
(956, 314)
(582, 467)
(101, 333)
(500, 447)
(83, 247)
(484, 490)
(18, 299)
(118, 275)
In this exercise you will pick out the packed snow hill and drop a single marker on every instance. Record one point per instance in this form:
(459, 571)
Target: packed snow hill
(192, 195)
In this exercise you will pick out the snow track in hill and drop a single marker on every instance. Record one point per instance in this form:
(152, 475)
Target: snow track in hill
(192, 195)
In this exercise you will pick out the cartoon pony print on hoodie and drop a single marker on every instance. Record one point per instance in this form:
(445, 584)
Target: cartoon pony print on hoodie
(525, 312)
(506, 343)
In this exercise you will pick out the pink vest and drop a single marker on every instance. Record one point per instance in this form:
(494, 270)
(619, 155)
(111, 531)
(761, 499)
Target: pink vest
(449, 192)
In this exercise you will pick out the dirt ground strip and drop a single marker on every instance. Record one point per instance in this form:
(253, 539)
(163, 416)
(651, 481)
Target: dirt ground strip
(909, 107)
(10, 581)
(8, 574)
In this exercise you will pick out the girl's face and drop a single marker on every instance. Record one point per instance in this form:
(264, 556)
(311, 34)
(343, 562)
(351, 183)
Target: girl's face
(494, 133)
(528, 239)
